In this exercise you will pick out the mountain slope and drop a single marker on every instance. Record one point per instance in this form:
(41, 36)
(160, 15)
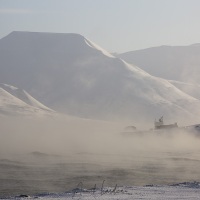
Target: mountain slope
(11, 105)
(191, 89)
(24, 96)
(179, 63)
(71, 74)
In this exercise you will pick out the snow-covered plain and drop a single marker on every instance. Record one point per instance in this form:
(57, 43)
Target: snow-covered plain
(186, 190)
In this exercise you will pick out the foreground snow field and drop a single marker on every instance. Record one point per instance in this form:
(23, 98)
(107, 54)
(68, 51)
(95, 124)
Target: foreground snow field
(187, 190)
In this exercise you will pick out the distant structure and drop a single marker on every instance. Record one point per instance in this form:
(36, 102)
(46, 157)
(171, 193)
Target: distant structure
(160, 124)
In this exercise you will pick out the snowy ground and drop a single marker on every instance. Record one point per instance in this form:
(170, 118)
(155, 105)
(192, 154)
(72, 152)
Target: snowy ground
(187, 190)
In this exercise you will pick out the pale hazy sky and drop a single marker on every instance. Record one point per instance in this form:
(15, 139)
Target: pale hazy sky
(115, 25)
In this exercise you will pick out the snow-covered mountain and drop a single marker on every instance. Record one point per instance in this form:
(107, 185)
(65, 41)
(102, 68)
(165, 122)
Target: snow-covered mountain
(71, 74)
(15, 102)
(179, 63)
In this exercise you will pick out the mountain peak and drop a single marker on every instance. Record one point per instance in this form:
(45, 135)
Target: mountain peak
(70, 43)
(15, 33)
(25, 36)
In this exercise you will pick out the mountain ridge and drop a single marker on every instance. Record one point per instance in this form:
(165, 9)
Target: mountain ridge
(180, 63)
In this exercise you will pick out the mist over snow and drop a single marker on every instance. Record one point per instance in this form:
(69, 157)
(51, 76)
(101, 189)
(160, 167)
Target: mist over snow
(53, 156)
(70, 74)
